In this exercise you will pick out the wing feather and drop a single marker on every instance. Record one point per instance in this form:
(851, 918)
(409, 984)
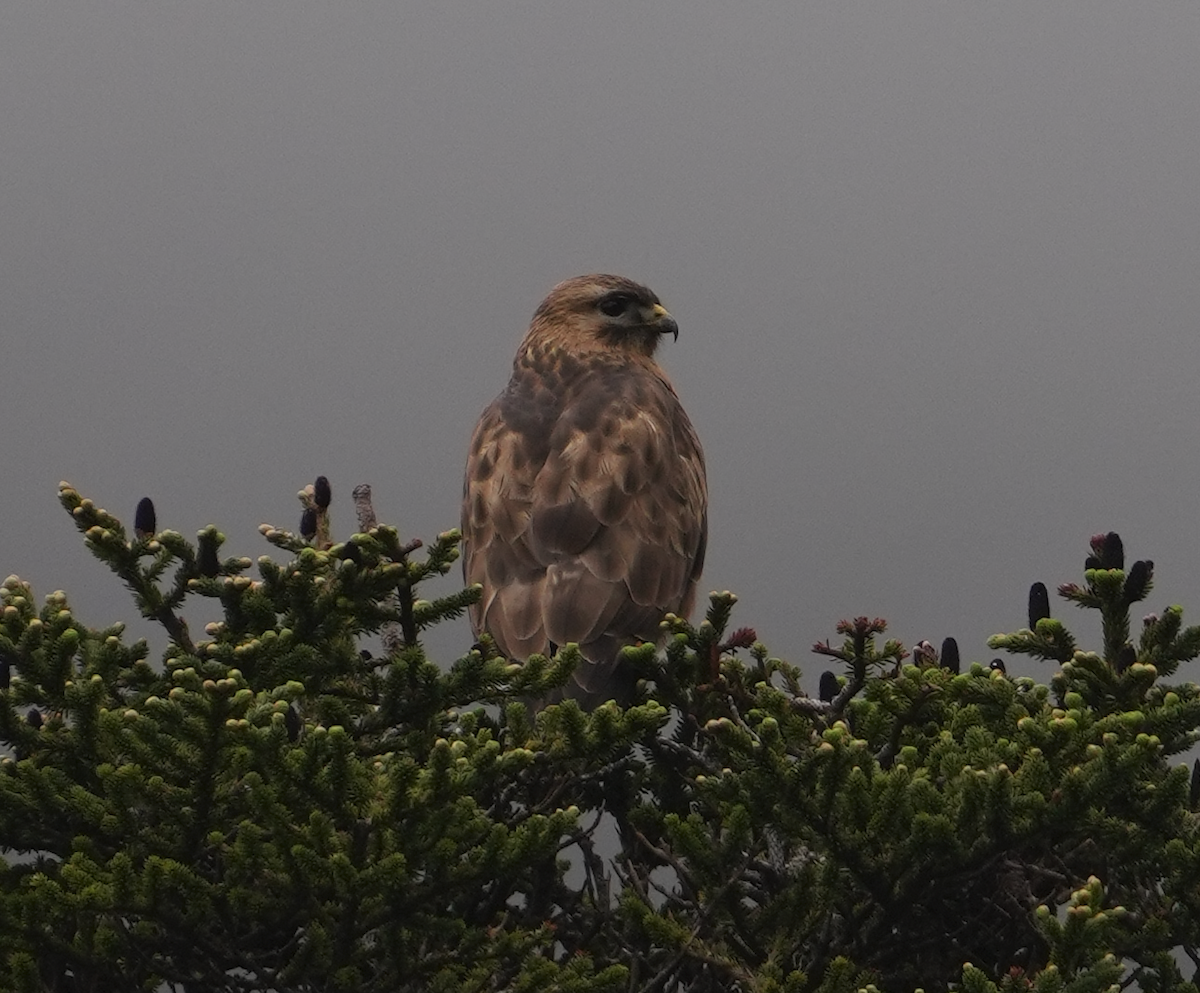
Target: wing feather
(631, 486)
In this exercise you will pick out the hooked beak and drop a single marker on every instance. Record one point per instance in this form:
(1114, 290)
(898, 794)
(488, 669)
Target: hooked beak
(663, 322)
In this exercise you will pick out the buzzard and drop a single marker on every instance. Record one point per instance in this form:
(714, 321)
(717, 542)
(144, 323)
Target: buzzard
(585, 505)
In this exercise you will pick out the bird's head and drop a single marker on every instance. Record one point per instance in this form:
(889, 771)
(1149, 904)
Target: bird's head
(602, 313)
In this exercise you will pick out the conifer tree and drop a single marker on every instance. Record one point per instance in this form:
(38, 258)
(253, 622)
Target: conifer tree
(302, 800)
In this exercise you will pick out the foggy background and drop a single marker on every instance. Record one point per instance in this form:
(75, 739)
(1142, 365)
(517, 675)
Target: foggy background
(936, 267)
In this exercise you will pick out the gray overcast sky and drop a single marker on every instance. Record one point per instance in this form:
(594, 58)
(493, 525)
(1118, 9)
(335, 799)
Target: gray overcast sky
(936, 265)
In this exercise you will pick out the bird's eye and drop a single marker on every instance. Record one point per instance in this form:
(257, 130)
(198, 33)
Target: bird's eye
(614, 305)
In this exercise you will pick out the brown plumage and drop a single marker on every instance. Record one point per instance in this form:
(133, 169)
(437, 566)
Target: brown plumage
(585, 506)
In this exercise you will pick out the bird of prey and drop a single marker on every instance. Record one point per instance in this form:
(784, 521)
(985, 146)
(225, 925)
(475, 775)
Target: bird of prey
(585, 505)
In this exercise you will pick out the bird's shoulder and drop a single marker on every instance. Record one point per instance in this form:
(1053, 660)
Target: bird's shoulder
(554, 395)
(573, 447)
